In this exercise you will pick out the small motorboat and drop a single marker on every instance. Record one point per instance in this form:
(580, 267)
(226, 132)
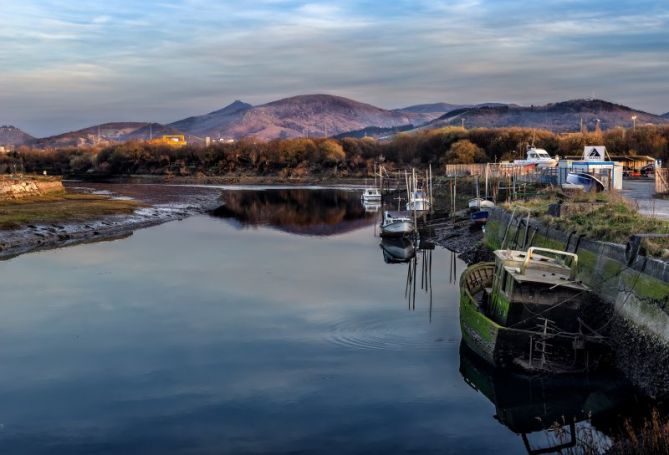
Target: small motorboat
(371, 194)
(397, 250)
(396, 224)
(480, 217)
(480, 203)
(538, 157)
(418, 201)
(582, 181)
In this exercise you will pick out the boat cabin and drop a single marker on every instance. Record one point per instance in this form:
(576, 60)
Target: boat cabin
(527, 284)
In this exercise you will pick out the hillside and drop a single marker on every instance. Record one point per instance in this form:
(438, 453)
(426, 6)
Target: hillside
(10, 135)
(559, 117)
(665, 115)
(305, 115)
(94, 135)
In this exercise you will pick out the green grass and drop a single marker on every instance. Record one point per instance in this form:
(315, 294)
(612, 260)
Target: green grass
(60, 208)
(605, 216)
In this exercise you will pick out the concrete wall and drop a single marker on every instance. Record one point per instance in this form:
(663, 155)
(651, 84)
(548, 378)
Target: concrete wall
(24, 187)
(638, 290)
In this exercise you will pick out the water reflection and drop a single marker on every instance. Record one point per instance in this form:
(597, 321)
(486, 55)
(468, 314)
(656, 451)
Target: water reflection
(548, 412)
(297, 211)
(397, 250)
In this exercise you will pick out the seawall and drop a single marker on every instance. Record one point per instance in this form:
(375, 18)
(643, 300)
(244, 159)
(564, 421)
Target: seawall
(636, 286)
(26, 187)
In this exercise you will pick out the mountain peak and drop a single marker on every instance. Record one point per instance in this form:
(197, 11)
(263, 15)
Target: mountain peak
(232, 108)
(11, 135)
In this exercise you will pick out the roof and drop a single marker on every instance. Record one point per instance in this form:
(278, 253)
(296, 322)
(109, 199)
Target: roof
(543, 276)
(541, 269)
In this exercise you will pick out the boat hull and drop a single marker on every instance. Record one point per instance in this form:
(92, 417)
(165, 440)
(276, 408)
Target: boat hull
(506, 347)
(399, 228)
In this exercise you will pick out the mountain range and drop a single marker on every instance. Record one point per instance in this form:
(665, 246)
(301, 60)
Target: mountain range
(335, 116)
(558, 117)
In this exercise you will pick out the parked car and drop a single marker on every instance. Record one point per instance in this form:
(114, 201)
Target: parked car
(648, 170)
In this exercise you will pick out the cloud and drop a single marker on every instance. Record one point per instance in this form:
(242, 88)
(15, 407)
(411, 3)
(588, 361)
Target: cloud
(166, 59)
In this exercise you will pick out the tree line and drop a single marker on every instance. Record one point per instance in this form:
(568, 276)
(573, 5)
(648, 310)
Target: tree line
(344, 157)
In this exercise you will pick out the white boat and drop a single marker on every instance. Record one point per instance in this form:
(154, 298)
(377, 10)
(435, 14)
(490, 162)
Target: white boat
(371, 194)
(397, 250)
(582, 181)
(371, 206)
(418, 201)
(396, 224)
(480, 203)
(538, 157)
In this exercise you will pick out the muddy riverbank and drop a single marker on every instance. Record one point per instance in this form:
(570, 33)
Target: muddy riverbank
(161, 203)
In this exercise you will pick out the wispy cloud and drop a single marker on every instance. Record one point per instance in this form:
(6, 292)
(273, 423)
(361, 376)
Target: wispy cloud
(67, 64)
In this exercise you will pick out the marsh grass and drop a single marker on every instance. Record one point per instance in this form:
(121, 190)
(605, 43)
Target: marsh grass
(604, 216)
(648, 436)
(59, 208)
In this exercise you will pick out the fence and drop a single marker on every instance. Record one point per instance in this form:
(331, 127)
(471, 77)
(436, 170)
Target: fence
(662, 180)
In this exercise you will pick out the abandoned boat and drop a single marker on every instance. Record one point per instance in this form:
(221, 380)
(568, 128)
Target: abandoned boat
(396, 224)
(526, 310)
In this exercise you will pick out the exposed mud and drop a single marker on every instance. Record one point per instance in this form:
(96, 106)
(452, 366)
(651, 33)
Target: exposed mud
(162, 203)
(461, 236)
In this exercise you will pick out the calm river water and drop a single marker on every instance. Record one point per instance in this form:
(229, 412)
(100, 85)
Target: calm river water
(275, 325)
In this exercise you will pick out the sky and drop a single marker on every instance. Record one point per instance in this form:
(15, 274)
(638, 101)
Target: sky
(65, 65)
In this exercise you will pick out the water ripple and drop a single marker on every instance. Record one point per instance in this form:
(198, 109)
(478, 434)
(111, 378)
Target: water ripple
(409, 332)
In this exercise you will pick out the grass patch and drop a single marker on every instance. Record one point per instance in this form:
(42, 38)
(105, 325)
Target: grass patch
(604, 216)
(60, 208)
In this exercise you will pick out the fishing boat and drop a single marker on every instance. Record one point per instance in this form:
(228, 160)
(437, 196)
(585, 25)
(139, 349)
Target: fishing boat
(526, 310)
(396, 224)
(480, 217)
(582, 181)
(418, 201)
(539, 158)
(397, 250)
(371, 194)
(479, 203)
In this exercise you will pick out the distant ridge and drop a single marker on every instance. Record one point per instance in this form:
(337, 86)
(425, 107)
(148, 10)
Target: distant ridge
(10, 135)
(336, 116)
(558, 117)
(446, 107)
(93, 135)
(304, 115)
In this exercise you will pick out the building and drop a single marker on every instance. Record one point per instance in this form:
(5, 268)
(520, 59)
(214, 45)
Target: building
(597, 162)
(175, 140)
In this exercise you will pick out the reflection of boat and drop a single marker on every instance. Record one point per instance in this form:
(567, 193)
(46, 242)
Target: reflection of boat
(538, 157)
(371, 195)
(528, 404)
(396, 224)
(418, 201)
(583, 181)
(526, 310)
(397, 250)
(371, 207)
